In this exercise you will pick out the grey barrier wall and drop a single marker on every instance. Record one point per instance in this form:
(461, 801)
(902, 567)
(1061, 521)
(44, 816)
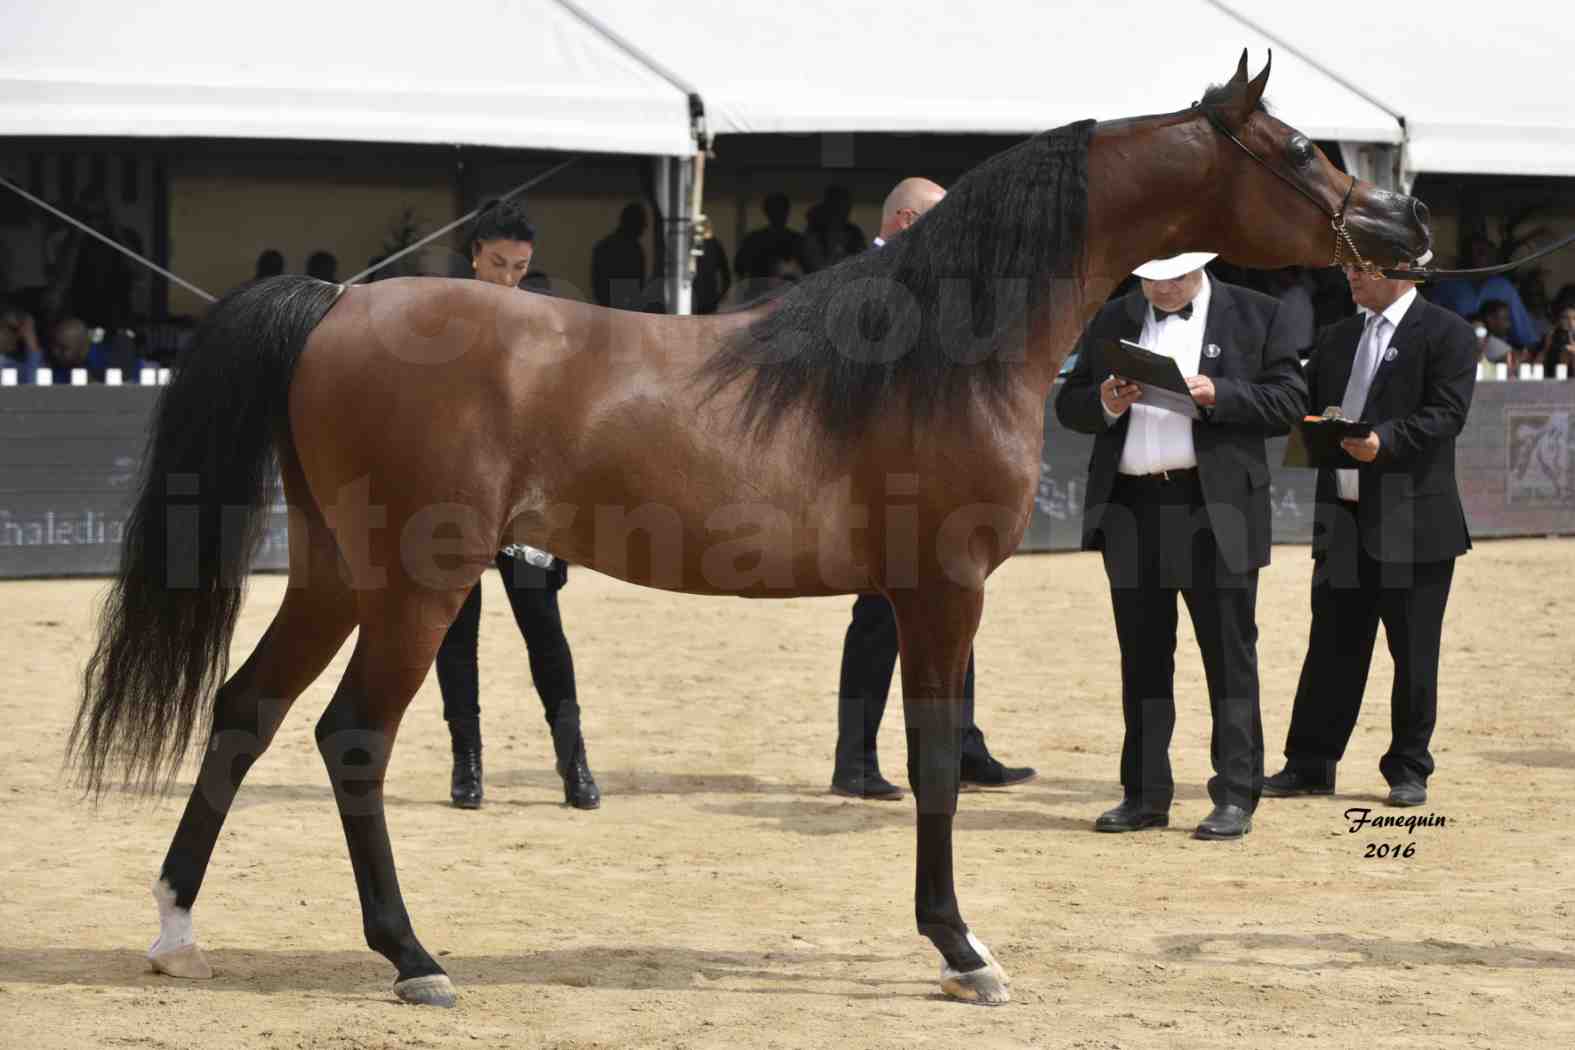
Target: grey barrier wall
(69, 458)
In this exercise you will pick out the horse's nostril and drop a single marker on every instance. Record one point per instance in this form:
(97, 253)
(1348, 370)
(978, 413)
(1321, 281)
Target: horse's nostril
(1419, 210)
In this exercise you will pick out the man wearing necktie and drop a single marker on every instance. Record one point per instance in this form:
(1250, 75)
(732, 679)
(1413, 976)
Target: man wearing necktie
(1179, 505)
(1387, 531)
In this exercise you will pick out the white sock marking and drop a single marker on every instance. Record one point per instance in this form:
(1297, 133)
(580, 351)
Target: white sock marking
(174, 923)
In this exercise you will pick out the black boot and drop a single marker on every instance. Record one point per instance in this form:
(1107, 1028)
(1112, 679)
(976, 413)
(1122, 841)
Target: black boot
(579, 787)
(465, 786)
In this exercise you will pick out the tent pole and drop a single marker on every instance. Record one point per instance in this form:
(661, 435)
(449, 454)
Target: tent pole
(675, 190)
(1380, 163)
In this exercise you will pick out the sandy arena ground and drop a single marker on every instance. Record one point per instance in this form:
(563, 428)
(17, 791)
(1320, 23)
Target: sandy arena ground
(721, 898)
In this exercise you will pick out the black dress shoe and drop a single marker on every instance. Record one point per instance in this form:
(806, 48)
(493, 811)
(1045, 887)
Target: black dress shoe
(1292, 781)
(871, 786)
(579, 787)
(1225, 822)
(1133, 815)
(986, 773)
(1407, 793)
(465, 786)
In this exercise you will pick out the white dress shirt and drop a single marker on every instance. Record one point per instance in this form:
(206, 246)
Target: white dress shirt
(1384, 332)
(1158, 439)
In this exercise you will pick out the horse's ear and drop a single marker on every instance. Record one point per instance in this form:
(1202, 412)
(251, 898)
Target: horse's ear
(1241, 99)
(1241, 69)
(1259, 82)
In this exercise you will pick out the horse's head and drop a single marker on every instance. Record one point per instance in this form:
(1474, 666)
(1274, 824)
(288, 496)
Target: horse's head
(1285, 204)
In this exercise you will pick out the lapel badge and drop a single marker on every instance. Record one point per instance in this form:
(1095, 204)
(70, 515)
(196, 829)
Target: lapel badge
(1212, 350)
(1391, 354)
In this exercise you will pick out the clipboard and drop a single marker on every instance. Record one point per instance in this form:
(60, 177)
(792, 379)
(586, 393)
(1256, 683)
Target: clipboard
(1316, 442)
(1163, 385)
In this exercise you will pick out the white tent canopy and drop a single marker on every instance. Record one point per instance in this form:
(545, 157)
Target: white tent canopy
(533, 73)
(523, 73)
(1476, 94)
(1482, 90)
(1010, 66)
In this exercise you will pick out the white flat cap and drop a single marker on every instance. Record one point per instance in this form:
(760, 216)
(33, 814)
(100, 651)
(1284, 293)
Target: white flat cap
(1175, 266)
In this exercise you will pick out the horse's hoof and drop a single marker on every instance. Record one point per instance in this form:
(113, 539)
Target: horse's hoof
(186, 961)
(432, 990)
(987, 986)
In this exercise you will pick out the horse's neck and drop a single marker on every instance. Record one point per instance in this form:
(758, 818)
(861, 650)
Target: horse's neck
(1136, 212)
(1149, 184)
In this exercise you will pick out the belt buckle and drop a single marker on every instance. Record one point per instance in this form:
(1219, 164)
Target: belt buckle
(1164, 475)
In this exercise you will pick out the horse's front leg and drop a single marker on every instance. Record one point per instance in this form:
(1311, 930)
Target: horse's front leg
(935, 627)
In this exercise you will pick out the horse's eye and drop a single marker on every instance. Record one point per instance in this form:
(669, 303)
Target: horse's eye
(1301, 151)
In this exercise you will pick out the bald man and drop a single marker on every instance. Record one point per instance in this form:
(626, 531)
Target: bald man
(869, 652)
(908, 200)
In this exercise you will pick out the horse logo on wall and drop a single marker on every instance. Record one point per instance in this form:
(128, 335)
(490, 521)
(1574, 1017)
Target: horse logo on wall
(1541, 468)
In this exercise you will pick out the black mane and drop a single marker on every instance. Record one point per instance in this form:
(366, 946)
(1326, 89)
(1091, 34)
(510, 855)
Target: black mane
(928, 315)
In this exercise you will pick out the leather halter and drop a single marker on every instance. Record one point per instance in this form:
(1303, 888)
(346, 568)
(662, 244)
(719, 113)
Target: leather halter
(1342, 238)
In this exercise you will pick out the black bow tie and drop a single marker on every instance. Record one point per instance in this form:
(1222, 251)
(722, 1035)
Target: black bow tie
(1185, 313)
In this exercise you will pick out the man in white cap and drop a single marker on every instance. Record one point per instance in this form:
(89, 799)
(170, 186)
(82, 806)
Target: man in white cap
(1178, 502)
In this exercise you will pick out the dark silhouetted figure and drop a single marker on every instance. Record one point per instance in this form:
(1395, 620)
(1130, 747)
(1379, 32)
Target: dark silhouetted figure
(618, 262)
(831, 236)
(323, 266)
(270, 264)
(764, 248)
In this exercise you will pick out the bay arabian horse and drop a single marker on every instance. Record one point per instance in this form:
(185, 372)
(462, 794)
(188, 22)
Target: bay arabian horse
(876, 429)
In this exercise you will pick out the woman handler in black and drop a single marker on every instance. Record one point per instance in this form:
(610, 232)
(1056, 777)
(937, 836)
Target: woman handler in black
(501, 246)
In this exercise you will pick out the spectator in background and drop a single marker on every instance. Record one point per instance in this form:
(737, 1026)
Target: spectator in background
(86, 278)
(1490, 348)
(832, 236)
(19, 347)
(70, 347)
(270, 264)
(1293, 289)
(1534, 294)
(1495, 315)
(1558, 346)
(712, 276)
(618, 262)
(323, 266)
(766, 247)
(1497, 319)
(781, 272)
(1466, 297)
(1331, 297)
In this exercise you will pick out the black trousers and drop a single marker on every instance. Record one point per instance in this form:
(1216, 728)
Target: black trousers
(533, 595)
(1158, 544)
(1351, 595)
(869, 658)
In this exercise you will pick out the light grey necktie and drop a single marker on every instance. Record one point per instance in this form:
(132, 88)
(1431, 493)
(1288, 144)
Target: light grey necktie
(1363, 368)
(1356, 388)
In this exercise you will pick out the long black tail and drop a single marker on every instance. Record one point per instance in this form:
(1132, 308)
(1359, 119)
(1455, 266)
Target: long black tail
(164, 632)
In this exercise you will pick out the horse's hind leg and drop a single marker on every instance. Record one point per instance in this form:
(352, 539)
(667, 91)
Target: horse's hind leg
(400, 634)
(317, 615)
(935, 629)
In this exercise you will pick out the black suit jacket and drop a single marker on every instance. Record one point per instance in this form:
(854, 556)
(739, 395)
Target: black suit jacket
(1410, 508)
(1259, 392)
